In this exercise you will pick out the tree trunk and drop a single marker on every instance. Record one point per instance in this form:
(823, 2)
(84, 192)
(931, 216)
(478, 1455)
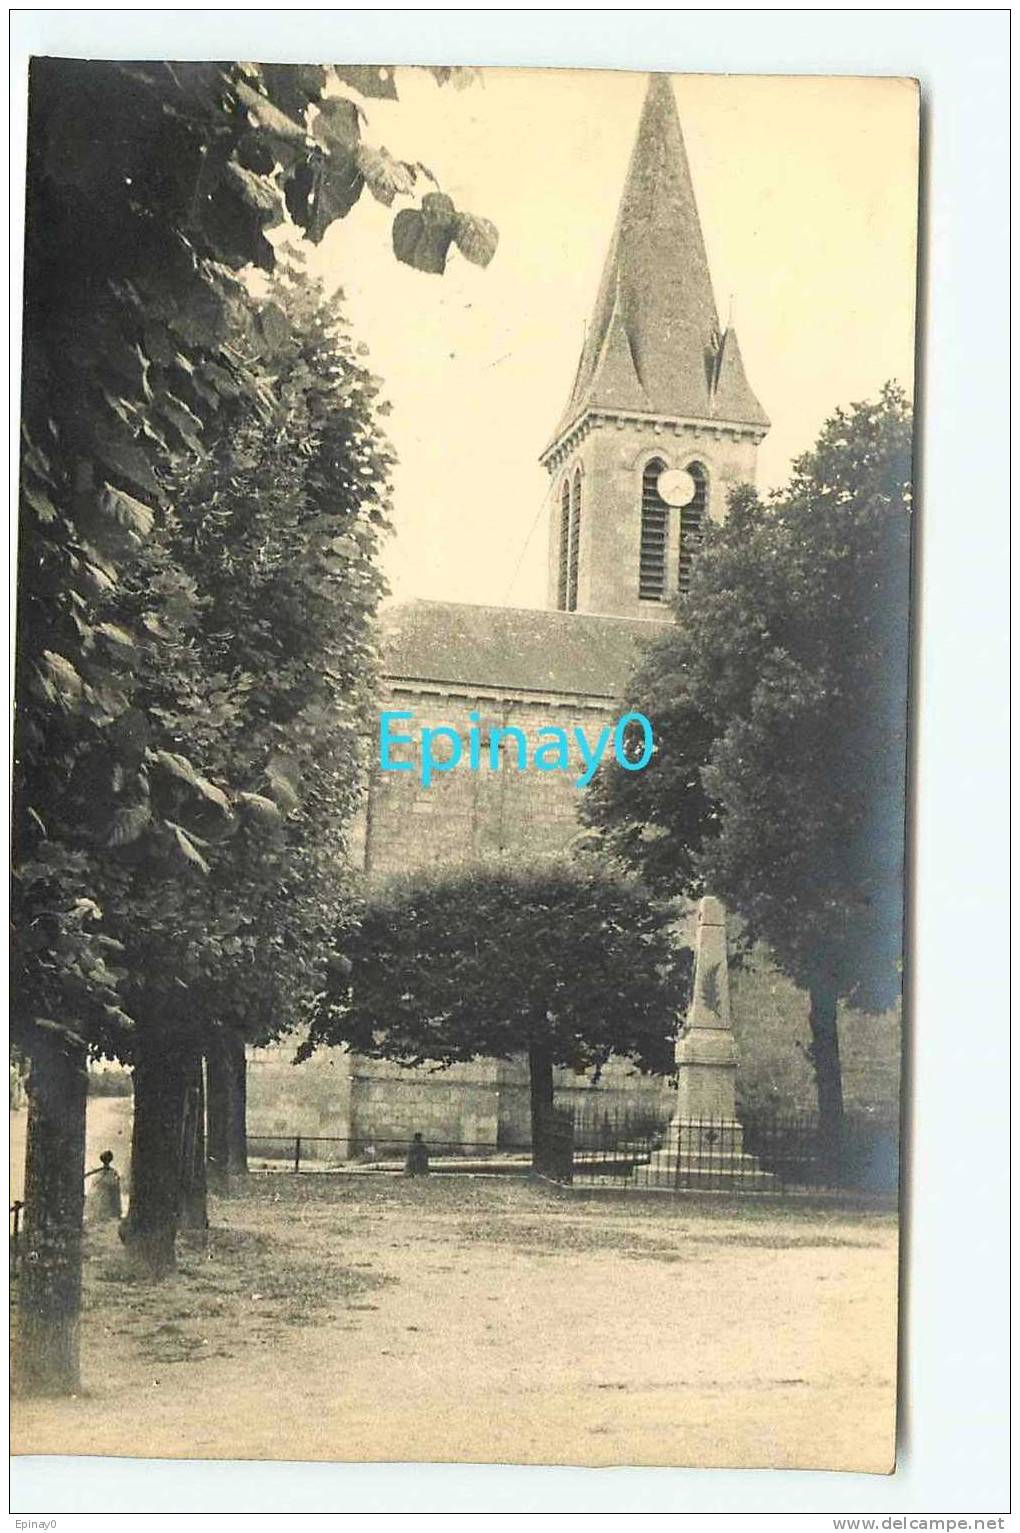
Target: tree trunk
(540, 1073)
(161, 1077)
(216, 1110)
(226, 1084)
(47, 1336)
(194, 1202)
(828, 1077)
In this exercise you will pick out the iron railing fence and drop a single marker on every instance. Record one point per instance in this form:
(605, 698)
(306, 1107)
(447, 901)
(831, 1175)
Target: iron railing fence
(330, 1152)
(759, 1151)
(598, 1128)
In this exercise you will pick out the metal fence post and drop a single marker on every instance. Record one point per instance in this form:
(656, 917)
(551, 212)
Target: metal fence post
(297, 1153)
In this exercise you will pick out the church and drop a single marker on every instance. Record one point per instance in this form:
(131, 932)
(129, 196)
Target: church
(661, 424)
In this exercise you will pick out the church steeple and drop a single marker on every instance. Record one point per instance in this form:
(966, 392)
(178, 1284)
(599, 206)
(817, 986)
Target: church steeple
(654, 343)
(654, 362)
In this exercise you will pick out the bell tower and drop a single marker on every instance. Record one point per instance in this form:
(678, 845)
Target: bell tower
(661, 420)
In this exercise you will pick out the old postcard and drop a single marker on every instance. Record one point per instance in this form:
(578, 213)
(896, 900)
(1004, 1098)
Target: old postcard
(462, 631)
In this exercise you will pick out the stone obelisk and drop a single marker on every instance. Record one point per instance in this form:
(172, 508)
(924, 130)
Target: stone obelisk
(704, 1142)
(706, 1055)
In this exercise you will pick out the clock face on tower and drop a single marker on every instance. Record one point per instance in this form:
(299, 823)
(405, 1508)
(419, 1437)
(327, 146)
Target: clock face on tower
(676, 486)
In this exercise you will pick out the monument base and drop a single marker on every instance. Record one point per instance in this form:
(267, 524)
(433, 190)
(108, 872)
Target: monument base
(706, 1153)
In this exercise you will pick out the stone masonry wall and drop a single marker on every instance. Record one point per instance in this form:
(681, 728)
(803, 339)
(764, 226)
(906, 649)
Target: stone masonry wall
(464, 815)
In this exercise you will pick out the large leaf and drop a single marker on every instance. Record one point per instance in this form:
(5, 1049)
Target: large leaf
(322, 190)
(476, 238)
(267, 115)
(384, 176)
(235, 224)
(104, 705)
(181, 767)
(260, 808)
(213, 313)
(284, 774)
(119, 1019)
(123, 456)
(422, 238)
(61, 675)
(41, 504)
(115, 635)
(375, 80)
(337, 125)
(185, 421)
(275, 326)
(258, 190)
(187, 847)
(131, 514)
(293, 87)
(127, 824)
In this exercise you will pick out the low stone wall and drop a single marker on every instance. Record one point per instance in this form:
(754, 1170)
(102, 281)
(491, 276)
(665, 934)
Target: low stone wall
(485, 1104)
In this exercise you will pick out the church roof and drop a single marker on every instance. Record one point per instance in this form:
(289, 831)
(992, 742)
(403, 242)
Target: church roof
(515, 649)
(732, 399)
(654, 344)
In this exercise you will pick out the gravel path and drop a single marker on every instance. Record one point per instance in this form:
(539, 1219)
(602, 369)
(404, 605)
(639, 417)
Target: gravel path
(494, 1320)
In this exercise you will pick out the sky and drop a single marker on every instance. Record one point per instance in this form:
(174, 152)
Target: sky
(807, 190)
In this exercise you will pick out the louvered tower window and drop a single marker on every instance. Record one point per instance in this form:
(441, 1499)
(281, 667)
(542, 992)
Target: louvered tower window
(692, 525)
(562, 581)
(573, 559)
(654, 531)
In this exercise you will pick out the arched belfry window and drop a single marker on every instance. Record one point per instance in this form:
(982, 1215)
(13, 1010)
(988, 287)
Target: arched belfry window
(692, 525)
(573, 558)
(654, 533)
(563, 580)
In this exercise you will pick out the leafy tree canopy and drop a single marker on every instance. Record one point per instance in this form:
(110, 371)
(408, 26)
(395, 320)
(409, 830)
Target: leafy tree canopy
(271, 678)
(153, 190)
(565, 960)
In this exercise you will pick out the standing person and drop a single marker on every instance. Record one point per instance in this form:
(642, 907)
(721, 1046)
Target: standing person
(103, 1200)
(417, 1162)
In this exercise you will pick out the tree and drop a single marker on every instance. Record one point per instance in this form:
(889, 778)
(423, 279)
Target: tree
(779, 706)
(565, 963)
(151, 191)
(277, 533)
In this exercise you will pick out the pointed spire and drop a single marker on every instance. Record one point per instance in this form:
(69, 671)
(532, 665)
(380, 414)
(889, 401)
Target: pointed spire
(618, 384)
(653, 345)
(732, 398)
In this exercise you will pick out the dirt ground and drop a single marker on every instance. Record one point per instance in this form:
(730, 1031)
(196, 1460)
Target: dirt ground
(494, 1320)
(107, 1127)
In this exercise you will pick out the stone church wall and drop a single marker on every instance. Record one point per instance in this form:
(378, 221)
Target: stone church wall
(464, 815)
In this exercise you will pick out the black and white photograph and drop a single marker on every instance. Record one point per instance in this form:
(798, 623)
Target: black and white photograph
(467, 566)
